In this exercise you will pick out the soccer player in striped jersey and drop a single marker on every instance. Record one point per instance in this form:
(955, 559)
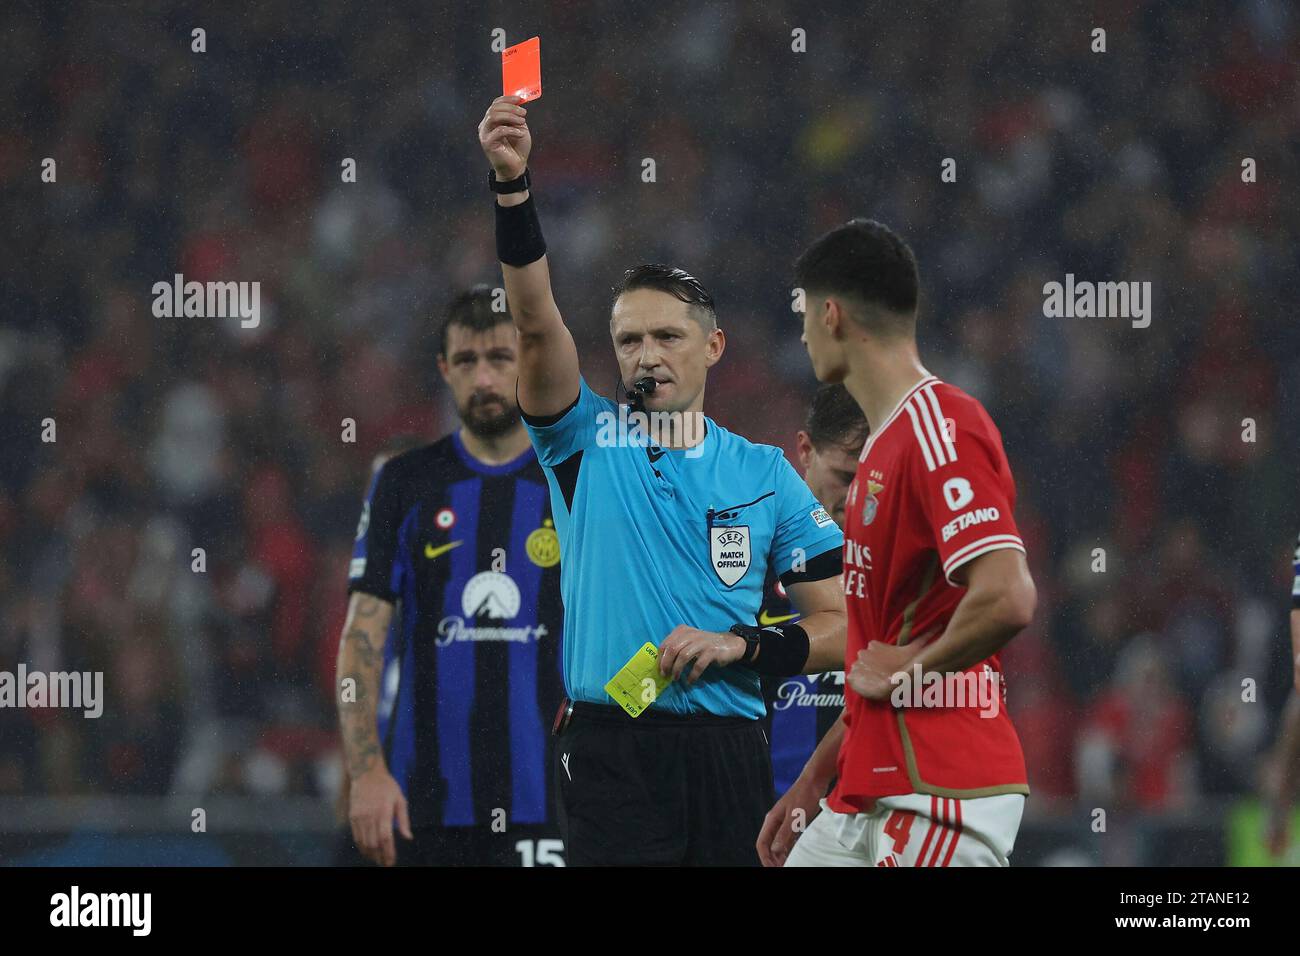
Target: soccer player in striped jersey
(928, 767)
(459, 535)
(1282, 779)
(803, 707)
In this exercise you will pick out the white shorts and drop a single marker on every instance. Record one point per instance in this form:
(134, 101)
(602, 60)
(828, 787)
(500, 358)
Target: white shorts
(914, 830)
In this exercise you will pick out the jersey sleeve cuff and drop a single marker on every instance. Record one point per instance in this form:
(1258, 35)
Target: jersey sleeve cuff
(545, 421)
(362, 587)
(969, 552)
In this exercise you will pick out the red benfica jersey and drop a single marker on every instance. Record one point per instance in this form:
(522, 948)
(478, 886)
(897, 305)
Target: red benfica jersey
(933, 491)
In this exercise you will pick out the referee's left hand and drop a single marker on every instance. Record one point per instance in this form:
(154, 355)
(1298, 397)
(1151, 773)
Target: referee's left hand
(687, 645)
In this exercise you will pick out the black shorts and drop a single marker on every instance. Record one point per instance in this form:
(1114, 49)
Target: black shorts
(518, 845)
(661, 789)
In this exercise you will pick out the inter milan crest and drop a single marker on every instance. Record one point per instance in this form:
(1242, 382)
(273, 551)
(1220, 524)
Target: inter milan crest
(543, 546)
(729, 551)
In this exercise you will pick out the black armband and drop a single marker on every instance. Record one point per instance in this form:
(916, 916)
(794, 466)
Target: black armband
(777, 651)
(819, 568)
(519, 234)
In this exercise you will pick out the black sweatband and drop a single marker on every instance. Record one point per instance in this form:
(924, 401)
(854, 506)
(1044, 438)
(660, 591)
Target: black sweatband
(782, 650)
(519, 234)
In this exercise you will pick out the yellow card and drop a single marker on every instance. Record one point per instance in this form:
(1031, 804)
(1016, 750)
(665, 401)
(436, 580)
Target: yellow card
(638, 683)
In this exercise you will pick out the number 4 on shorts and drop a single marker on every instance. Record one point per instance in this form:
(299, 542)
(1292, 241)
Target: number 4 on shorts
(899, 826)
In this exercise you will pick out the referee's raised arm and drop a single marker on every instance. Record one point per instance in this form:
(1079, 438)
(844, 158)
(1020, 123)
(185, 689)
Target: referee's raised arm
(548, 359)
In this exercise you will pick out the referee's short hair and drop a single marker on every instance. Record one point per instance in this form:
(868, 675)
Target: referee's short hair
(866, 262)
(835, 420)
(473, 310)
(677, 283)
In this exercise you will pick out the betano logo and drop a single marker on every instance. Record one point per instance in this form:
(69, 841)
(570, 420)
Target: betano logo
(969, 519)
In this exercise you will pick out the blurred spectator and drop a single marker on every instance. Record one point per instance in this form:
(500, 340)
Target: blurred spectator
(1135, 748)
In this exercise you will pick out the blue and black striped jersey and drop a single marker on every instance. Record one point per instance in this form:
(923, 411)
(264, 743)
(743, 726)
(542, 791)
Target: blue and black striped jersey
(800, 709)
(1295, 584)
(469, 554)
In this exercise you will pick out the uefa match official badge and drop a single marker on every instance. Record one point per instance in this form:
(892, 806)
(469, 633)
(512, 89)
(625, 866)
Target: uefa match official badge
(872, 503)
(729, 552)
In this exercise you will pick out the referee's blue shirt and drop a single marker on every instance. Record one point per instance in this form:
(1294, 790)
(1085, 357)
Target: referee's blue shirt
(641, 553)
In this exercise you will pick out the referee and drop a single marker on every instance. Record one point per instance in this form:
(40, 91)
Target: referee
(666, 536)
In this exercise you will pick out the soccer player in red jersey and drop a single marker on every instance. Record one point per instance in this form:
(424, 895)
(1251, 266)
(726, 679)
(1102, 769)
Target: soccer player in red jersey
(928, 767)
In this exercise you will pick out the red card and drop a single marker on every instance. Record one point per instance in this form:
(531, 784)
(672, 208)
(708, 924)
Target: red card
(521, 69)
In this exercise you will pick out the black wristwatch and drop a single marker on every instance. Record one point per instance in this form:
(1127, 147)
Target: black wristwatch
(750, 634)
(517, 185)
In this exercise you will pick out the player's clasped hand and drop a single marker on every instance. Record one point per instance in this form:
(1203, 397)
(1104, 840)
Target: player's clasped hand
(687, 646)
(872, 674)
(505, 137)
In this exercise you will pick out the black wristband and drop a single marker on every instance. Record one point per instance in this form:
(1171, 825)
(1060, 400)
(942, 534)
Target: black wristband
(782, 651)
(521, 183)
(519, 234)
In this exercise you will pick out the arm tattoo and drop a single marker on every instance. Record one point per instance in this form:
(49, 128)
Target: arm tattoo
(364, 652)
(357, 718)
